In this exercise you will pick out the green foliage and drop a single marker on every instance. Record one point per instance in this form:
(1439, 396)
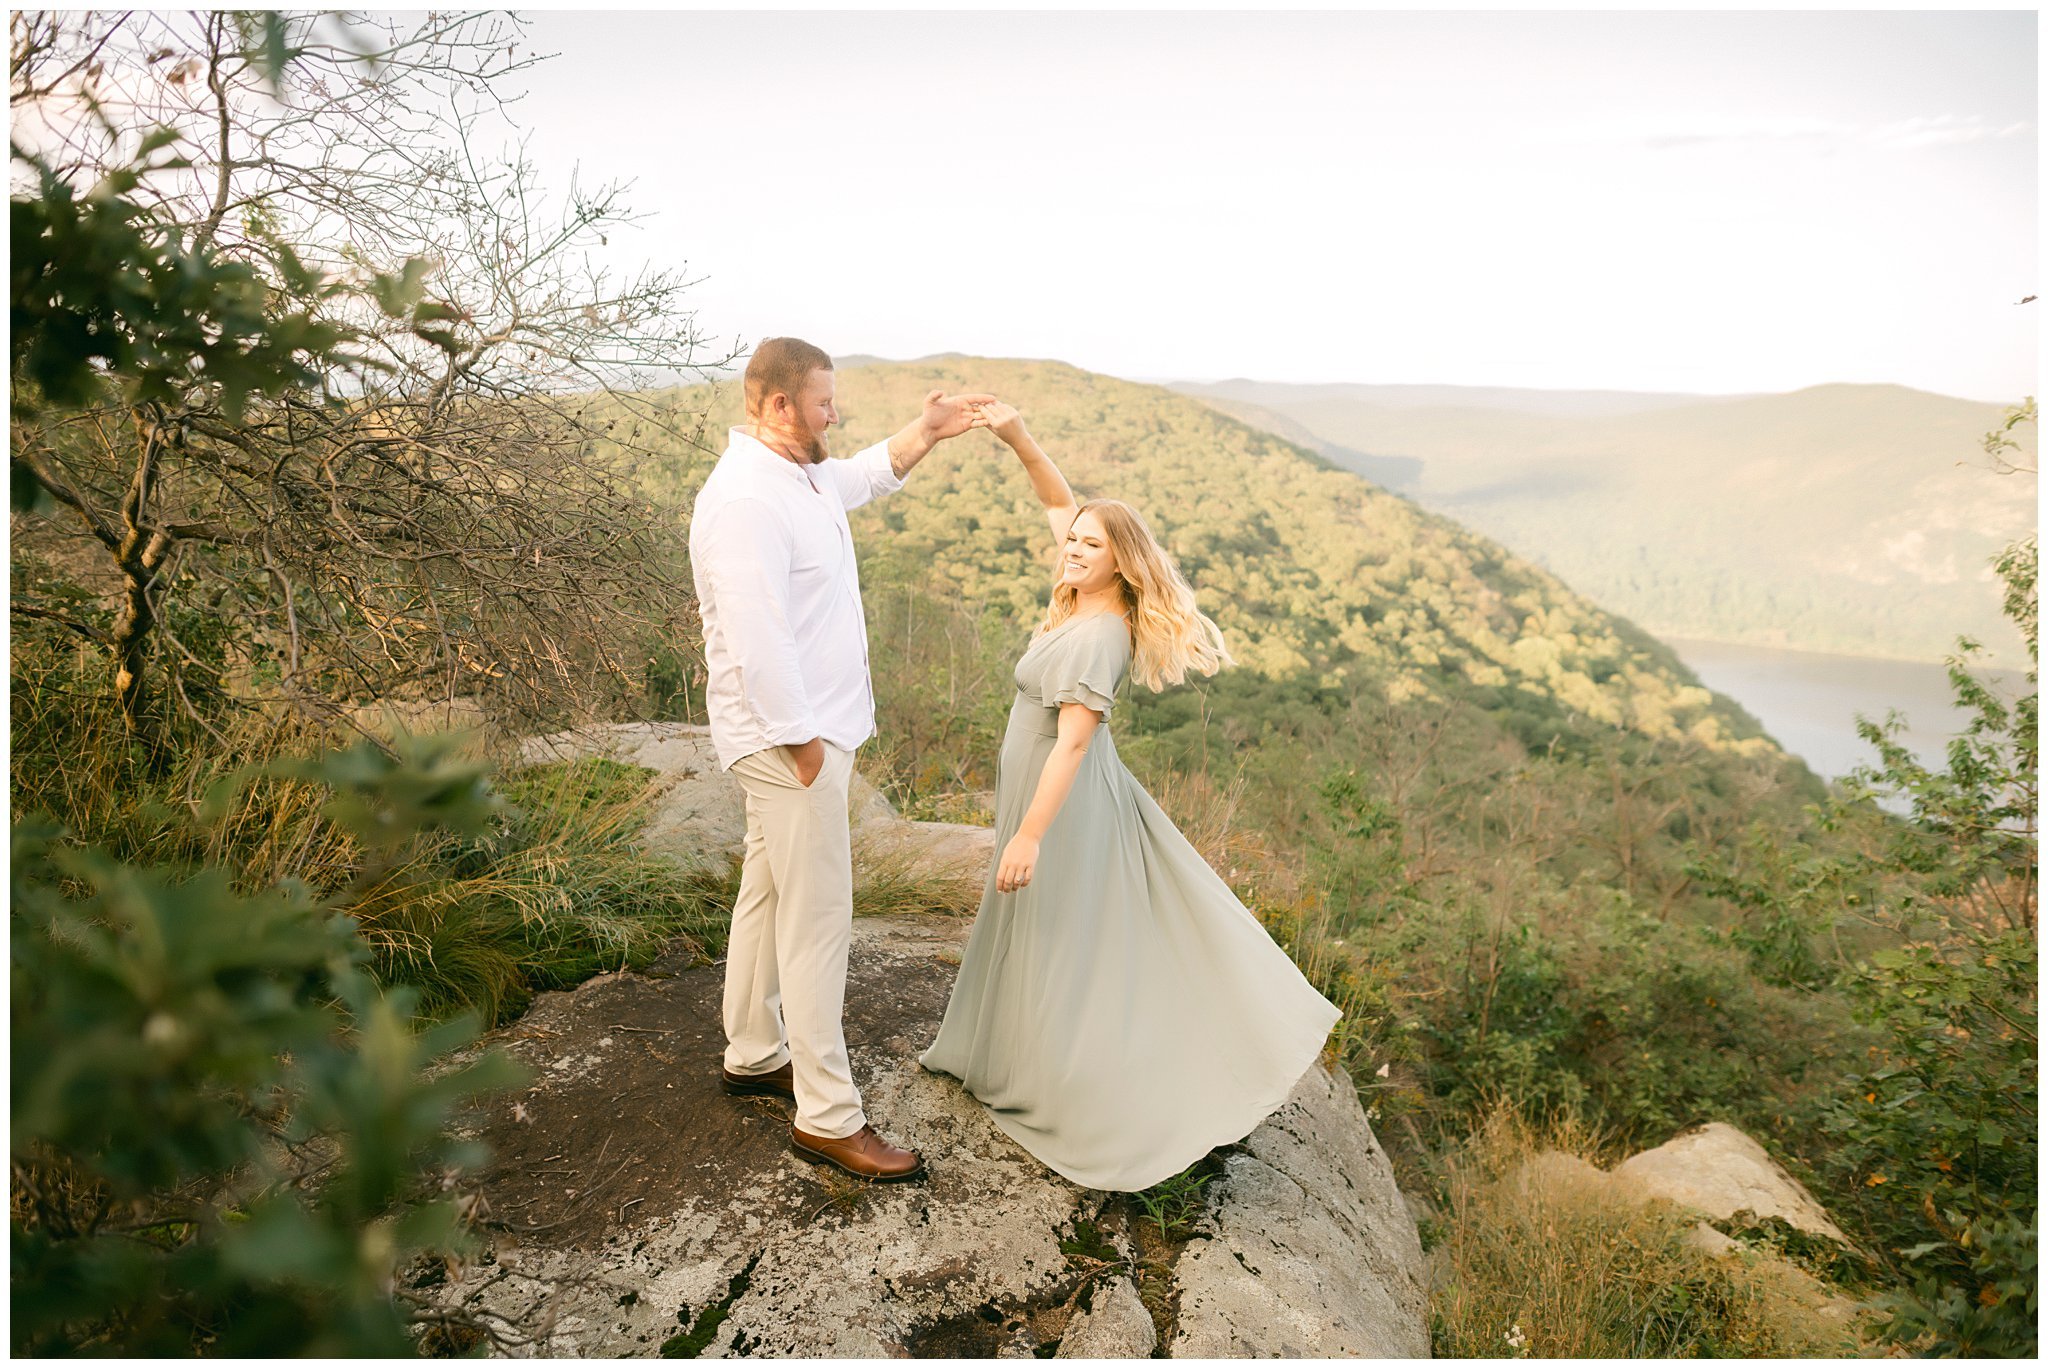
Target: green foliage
(941, 721)
(101, 291)
(1621, 1019)
(1974, 822)
(384, 794)
(1787, 896)
(220, 1123)
(1363, 853)
(1174, 1204)
(1939, 1142)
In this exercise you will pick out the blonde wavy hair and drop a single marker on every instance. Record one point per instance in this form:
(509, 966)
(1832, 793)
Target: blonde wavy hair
(1169, 635)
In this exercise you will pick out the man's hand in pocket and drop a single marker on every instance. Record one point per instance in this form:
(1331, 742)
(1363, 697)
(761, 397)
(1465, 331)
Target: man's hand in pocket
(808, 758)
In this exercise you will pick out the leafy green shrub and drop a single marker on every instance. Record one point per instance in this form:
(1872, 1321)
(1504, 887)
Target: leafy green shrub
(1624, 1019)
(1788, 898)
(1938, 1146)
(102, 286)
(223, 1138)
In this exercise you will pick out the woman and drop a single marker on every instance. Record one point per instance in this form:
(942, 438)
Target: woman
(1117, 1009)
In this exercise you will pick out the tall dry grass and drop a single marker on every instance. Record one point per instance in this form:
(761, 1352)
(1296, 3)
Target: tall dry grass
(1542, 1256)
(895, 877)
(560, 892)
(556, 892)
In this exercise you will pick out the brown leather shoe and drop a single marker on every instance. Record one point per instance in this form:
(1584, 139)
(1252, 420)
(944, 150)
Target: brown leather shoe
(864, 1155)
(777, 1081)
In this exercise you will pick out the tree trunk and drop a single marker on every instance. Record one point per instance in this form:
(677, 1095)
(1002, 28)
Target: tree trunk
(131, 652)
(140, 555)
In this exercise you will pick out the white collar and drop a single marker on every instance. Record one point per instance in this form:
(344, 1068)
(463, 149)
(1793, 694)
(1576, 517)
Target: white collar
(754, 449)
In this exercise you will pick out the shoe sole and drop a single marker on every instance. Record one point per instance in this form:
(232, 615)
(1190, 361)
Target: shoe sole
(740, 1088)
(819, 1158)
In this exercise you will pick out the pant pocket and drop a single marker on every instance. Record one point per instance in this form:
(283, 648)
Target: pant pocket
(796, 776)
(836, 759)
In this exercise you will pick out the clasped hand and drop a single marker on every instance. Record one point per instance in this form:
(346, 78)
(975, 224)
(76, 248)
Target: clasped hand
(951, 415)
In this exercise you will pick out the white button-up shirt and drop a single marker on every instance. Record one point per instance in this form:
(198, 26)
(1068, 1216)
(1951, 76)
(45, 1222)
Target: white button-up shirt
(785, 639)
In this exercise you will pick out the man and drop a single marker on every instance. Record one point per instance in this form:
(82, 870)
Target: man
(789, 697)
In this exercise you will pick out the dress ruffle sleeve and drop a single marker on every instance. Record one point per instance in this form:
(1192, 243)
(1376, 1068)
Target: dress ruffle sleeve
(1088, 667)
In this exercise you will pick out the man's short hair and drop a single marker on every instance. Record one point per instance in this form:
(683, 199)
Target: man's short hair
(781, 365)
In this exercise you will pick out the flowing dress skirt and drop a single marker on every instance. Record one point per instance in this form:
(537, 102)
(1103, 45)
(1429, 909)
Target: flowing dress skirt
(1123, 1014)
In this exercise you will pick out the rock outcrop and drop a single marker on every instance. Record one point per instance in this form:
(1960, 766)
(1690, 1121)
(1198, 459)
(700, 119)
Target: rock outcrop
(635, 1206)
(698, 814)
(1714, 1172)
(1310, 1251)
(635, 1209)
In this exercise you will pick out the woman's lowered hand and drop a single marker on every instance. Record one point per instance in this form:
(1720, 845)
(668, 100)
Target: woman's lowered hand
(1019, 862)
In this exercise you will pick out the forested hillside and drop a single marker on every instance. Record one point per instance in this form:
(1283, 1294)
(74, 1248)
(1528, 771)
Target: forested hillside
(1836, 518)
(1323, 583)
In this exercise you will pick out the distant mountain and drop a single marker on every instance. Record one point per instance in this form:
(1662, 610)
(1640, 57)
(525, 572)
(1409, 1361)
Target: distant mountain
(1559, 403)
(1847, 518)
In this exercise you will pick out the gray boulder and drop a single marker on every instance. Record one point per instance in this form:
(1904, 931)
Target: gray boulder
(1312, 1251)
(1114, 1326)
(1718, 1170)
(699, 813)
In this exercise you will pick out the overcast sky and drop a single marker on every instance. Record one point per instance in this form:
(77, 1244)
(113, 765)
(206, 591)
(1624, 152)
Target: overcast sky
(1714, 202)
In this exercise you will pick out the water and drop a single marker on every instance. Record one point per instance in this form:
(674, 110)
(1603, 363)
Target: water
(1808, 701)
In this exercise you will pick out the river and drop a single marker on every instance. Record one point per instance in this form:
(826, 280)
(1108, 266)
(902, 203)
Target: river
(1808, 701)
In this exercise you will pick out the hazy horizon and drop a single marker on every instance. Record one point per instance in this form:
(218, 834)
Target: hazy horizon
(1713, 203)
(859, 355)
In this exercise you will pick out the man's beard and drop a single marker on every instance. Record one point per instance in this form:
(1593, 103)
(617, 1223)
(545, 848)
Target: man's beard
(814, 447)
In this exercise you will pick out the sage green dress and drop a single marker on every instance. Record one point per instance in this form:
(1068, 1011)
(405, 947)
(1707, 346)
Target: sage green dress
(1123, 1014)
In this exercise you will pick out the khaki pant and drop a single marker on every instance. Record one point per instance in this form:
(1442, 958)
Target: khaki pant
(785, 965)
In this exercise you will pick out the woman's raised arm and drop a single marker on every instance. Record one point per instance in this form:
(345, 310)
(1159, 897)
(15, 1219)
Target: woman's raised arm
(1046, 481)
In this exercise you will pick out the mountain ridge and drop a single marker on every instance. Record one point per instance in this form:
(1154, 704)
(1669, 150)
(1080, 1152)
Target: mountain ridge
(1840, 518)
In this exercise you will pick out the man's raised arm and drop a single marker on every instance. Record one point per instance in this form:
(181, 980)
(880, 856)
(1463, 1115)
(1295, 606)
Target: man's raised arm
(944, 416)
(879, 470)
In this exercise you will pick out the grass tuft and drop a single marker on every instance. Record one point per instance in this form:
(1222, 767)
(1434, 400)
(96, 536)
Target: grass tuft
(557, 891)
(892, 877)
